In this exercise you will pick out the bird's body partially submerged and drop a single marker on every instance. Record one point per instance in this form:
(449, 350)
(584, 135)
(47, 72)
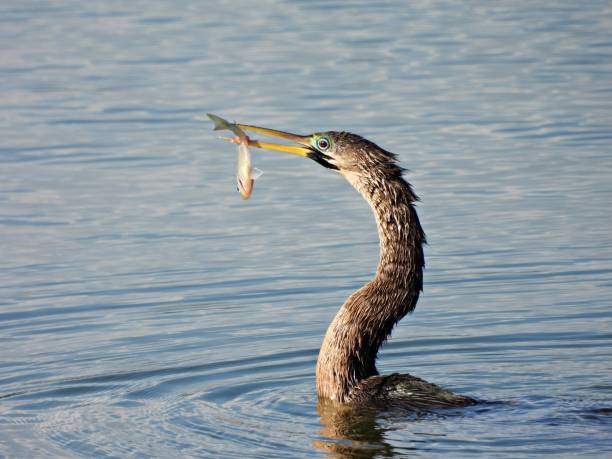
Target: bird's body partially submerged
(346, 367)
(348, 353)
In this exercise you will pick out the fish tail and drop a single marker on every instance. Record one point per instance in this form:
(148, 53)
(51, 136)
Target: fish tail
(220, 123)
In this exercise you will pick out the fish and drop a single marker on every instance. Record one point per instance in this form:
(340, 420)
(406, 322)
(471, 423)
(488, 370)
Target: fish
(221, 124)
(246, 174)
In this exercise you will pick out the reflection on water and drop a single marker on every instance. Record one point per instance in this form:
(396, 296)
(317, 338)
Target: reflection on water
(146, 310)
(351, 432)
(361, 432)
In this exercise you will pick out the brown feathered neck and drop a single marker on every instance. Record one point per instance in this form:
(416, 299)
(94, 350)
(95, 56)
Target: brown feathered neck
(363, 323)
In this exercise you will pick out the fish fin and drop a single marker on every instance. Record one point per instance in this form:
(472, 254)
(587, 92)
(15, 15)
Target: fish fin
(256, 173)
(220, 123)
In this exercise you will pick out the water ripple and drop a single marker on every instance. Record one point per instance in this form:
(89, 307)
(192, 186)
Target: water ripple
(147, 311)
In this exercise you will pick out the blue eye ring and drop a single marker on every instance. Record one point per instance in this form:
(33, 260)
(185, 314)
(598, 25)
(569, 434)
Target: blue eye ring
(323, 143)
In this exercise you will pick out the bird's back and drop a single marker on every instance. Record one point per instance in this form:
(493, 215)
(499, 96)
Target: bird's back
(406, 391)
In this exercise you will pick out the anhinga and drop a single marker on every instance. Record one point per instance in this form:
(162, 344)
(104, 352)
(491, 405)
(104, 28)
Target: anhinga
(346, 366)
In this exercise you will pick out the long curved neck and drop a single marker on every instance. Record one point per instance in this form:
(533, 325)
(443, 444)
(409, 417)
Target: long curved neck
(363, 323)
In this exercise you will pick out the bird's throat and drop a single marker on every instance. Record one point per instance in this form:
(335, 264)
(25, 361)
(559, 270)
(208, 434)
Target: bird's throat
(363, 323)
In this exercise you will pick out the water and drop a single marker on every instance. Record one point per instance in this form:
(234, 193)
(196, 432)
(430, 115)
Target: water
(147, 311)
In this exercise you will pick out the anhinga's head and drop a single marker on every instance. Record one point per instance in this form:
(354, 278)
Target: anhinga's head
(349, 154)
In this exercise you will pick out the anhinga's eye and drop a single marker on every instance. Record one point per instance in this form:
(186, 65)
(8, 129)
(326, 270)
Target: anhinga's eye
(323, 144)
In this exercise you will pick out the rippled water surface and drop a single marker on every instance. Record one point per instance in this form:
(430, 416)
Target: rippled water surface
(147, 311)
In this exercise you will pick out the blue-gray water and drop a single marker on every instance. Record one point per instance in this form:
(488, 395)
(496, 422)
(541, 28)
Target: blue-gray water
(147, 311)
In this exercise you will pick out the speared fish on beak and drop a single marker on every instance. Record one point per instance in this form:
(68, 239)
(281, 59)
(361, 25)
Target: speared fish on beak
(246, 174)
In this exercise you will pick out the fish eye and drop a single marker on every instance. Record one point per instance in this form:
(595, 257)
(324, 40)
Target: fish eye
(323, 143)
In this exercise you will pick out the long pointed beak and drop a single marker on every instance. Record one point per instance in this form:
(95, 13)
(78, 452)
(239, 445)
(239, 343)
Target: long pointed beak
(292, 149)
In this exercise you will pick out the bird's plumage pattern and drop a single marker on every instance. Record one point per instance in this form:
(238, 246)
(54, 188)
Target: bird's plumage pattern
(405, 391)
(346, 367)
